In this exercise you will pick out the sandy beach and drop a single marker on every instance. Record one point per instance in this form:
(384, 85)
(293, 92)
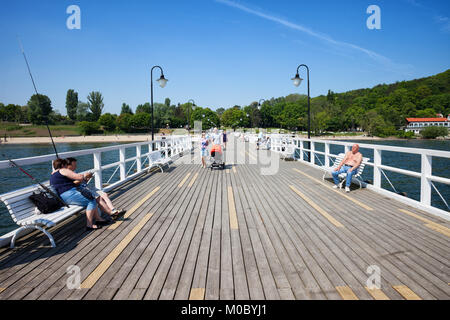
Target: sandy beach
(137, 138)
(79, 139)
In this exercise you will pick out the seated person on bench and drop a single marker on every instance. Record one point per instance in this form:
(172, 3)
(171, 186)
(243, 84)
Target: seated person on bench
(62, 179)
(349, 165)
(102, 198)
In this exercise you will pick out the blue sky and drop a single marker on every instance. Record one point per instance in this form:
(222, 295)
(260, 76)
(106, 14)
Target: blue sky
(218, 52)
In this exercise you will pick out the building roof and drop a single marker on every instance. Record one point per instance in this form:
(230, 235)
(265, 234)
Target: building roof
(426, 119)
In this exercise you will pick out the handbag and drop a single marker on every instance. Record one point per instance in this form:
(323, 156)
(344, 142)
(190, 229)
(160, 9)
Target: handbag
(45, 203)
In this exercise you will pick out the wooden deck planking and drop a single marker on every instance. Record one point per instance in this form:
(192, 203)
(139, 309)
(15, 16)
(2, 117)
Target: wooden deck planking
(280, 248)
(318, 196)
(51, 263)
(397, 241)
(94, 258)
(152, 244)
(361, 225)
(102, 249)
(255, 287)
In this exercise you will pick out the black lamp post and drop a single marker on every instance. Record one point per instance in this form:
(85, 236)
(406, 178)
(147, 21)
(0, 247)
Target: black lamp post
(297, 81)
(162, 83)
(189, 119)
(260, 104)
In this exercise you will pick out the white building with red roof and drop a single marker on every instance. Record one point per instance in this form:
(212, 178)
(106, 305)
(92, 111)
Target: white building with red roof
(417, 124)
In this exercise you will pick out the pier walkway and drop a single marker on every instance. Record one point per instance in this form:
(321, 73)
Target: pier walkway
(193, 233)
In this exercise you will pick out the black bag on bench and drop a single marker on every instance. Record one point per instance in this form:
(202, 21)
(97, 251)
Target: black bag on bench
(45, 203)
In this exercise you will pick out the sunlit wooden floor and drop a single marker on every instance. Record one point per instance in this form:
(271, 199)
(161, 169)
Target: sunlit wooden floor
(193, 233)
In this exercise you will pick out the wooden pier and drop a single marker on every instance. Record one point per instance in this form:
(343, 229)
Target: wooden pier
(193, 233)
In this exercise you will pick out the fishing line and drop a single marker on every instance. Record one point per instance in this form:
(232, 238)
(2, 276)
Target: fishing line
(15, 165)
(37, 94)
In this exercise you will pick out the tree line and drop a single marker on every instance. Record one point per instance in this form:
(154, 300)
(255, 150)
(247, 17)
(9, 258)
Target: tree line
(380, 111)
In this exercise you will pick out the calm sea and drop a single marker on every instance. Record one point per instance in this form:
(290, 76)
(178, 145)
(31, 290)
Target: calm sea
(11, 178)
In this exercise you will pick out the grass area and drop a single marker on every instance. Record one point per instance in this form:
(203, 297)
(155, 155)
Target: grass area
(15, 130)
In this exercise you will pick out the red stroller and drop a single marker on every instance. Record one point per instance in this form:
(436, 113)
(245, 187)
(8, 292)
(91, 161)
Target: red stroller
(217, 157)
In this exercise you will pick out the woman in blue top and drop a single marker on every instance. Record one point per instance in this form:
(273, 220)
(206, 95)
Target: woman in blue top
(204, 149)
(62, 179)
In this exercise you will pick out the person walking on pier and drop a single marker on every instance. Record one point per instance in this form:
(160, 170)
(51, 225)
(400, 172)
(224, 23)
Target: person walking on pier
(224, 138)
(348, 165)
(204, 149)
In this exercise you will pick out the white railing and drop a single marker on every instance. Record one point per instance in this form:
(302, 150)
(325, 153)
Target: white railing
(279, 143)
(170, 146)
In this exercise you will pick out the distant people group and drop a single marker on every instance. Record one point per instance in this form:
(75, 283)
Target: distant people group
(73, 190)
(216, 139)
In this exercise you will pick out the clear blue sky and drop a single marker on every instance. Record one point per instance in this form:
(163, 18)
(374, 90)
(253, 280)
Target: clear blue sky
(217, 52)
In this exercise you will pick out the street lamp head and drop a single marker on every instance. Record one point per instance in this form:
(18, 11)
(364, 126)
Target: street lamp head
(297, 80)
(162, 81)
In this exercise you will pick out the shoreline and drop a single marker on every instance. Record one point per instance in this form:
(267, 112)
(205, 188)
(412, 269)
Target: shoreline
(146, 137)
(78, 139)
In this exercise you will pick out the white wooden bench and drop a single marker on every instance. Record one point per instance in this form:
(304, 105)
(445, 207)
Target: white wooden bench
(156, 160)
(25, 214)
(287, 151)
(343, 176)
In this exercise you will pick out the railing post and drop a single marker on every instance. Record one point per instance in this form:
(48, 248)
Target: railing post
(138, 159)
(122, 163)
(313, 149)
(347, 148)
(327, 155)
(425, 183)
(301, 151)
(376, 168)
(98, 170)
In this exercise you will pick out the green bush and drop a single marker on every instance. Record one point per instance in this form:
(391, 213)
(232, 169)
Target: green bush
(406, 134)
(13, 128)
(434, 132)
(108, 121)
(87, 128)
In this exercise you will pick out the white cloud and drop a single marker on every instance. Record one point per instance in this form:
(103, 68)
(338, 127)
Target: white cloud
(321, 36)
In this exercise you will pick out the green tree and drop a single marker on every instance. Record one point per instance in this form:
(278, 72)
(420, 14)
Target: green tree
(427, 113)
(320, 122)
(40, 108)
(291, 116)
(220, 111)
(126, 109)
(141, 121)
(95, 102)
(373, 122)
(123, 122)
(434, 132)
(72, 104)
(144, 108)
(108, 121)
(208, 118)
(87, 128)
(82, 111)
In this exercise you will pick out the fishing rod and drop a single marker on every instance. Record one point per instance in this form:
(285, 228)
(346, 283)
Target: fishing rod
(15, 165)
(37, 94)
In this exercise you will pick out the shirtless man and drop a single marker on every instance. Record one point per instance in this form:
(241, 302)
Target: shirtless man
(349, 165)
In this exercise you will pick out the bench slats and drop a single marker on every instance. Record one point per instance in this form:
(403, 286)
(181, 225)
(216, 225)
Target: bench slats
(22, 210)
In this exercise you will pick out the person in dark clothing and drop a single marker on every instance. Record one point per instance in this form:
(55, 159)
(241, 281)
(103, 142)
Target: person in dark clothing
(62, 180)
